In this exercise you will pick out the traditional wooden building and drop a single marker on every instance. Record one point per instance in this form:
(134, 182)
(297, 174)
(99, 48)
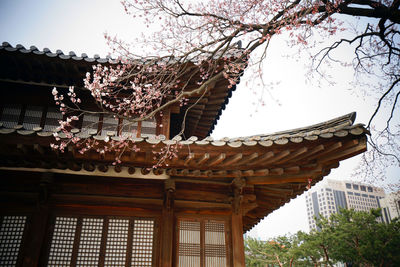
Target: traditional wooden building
(72, 209)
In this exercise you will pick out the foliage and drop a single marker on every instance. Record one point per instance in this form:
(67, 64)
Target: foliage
(272, 252)
(349, 236)
(216, 39)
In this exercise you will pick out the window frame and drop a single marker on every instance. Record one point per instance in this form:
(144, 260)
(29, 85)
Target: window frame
(203, 220)
(106, 219)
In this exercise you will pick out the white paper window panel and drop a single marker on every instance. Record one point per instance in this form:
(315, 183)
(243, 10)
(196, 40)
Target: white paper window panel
(189, 236)
(90, 242)
(189, 261)
(142, 242)
(62, 242)
(117, 240)
(11, 233)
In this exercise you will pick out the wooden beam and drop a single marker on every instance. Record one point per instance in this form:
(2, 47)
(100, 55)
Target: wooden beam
(220, 173)
(263, 158)
(278, 157)
(85, 198)
(262, 172)
(201, 204)
(275, 189)
(362, 146)
(248, 159)
(217, 160)
(293, 155)
(195, 112)
(172, 172)
(203, 159)
(248, 207)
(188, 159)
(215, 101)
(38, 148)
(293, 169)
(313, 151)
(22, 149)
(197, 181)
(329, 149)
(248, 173)
(280, 179)
(233, 159)
(276, 171)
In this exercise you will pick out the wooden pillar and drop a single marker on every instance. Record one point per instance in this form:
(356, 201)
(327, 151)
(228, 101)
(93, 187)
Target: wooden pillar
(37, 228)
(237, 223)
(167, 224)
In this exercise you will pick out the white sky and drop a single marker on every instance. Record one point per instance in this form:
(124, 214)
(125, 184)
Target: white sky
(79, 25)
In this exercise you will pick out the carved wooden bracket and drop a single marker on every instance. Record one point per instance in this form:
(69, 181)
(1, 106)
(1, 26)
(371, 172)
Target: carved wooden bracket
(169, 187)
(45, 180)
(237, 187)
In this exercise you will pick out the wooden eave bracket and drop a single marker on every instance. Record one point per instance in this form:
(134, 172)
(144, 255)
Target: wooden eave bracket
(238, 184)
(169, 187)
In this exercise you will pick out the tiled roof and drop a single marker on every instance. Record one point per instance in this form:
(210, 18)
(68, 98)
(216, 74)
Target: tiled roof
(339, 127)
(56, 68)
(58, 53)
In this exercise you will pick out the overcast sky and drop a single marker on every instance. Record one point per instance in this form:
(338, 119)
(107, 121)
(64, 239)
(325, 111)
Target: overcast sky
(79, 25)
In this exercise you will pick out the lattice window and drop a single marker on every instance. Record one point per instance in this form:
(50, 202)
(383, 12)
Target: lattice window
(90, 241)
(142, 242)
(189, 243)
(62, 242)
(52, 117)
(78, 241)
(202, 243)
(10, 115)
(117, 240)
(11, 233)
(215, 244)
(33, 116)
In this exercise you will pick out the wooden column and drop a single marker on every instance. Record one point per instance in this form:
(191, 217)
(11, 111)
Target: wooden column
(167, 224)
(237, 223)
(37, 226)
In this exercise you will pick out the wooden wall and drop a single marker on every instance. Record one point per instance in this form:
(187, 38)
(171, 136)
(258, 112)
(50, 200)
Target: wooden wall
(60, 220)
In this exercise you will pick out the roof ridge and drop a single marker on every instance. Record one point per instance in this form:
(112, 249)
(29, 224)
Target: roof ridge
(59, 53)
(345, 120)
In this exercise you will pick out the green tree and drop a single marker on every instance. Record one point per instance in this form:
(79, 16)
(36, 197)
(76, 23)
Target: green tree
(312, 248)
(350, 236)
(359, 238)
(273, 252)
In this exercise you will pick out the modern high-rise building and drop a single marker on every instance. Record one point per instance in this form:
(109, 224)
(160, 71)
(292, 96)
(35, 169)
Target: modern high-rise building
(391, 206)
(329, 196)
